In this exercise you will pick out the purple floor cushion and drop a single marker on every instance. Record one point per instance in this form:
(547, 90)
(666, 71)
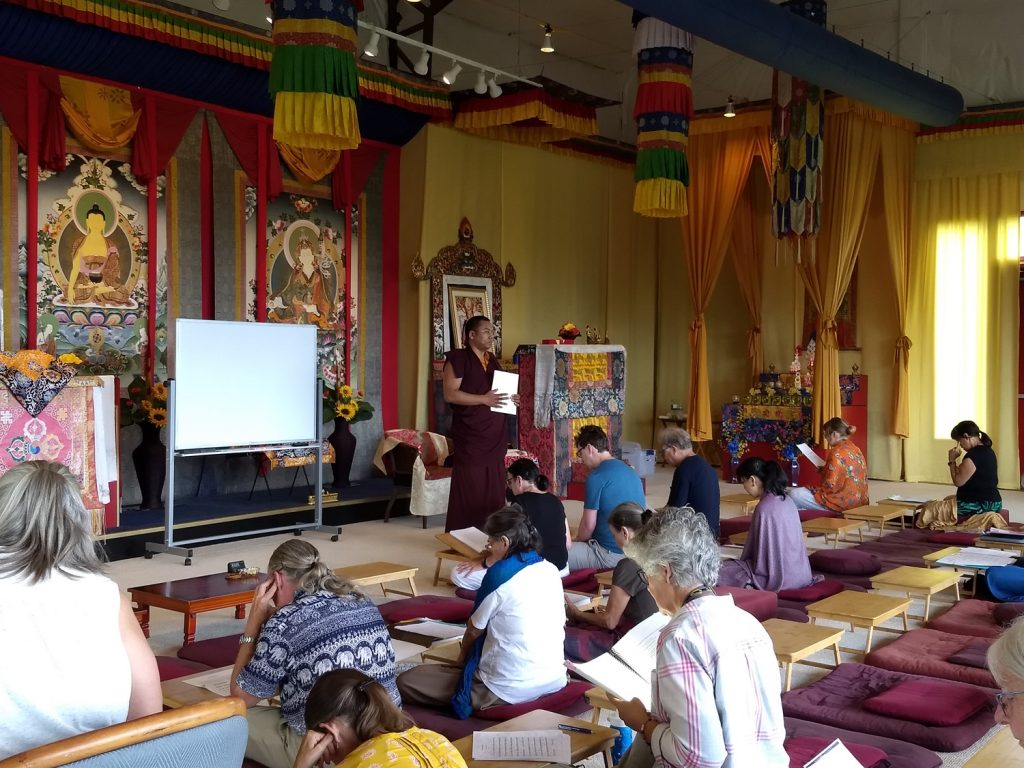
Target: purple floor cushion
(1005, 614)
(837, 699)
(927, 652)
(730, 526)
(792, 613)
(968, 617)
(171, 667)
(953, 538)
(813, 593)
(215, 652)
(445, 722)
(759, 603)
(436, 607)
(901, 754)
(928, 702)
(569, 697)
(847, 562)
(801, 749)
(974, 654)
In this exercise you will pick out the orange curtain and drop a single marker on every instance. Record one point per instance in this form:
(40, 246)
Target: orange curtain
(751, 230)
(851, 157)
(719, 167)
(309, 165)
(99, 115)
(897, 156)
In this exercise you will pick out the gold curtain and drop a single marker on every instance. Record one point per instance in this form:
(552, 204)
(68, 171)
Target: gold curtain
(309, 165)
(99, 115)
(719, 166)
(745, 246)
(964, 312)
(897, 157)
(851, 155)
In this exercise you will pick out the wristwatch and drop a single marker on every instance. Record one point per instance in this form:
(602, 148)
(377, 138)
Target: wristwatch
(247, 639)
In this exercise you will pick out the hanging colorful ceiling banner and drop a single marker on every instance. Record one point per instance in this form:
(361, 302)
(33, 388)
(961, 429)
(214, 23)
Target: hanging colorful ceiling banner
(663, 110)
(798, 132)
(313, 75)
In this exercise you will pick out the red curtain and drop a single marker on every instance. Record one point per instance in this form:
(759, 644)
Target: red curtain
(172, 119)
(242, 134)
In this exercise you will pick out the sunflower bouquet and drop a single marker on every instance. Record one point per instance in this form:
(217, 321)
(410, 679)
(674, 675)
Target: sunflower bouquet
(342, 402)
(145, 403)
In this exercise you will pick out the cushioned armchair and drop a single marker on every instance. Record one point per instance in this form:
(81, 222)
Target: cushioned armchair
(415, 460)
(211, 734)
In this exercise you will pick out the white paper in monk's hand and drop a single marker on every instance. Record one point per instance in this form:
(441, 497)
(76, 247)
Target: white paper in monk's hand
(835, 755)
(506, 384)
(812, 457)
(540, 746)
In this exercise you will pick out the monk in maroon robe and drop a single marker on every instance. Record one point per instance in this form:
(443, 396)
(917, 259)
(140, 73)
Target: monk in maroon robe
(478, 464)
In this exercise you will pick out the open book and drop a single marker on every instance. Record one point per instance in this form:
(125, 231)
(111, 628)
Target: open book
(811, 456)
(625, 671)
(470, 542)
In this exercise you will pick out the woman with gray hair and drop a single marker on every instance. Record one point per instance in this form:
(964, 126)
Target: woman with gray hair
(74, 657)
(716, 691)
(1006, 662)
(304, 621)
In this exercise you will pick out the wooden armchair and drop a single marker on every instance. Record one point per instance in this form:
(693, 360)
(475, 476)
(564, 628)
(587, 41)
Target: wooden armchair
(211, 734)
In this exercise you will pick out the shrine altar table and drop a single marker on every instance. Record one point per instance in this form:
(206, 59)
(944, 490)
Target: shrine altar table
(563, 388)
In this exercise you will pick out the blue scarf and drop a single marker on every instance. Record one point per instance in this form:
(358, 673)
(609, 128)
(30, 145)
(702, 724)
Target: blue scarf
(497, 574)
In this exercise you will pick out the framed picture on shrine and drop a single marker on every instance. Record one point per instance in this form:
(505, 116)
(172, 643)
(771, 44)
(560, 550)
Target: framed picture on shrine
(465, 301)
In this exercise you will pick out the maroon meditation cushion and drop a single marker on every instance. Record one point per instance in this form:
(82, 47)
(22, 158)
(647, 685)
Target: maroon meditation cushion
(582, 581)
(845, 562)
(730, 526)
(969, 617)
(814, 592)
(974, 654)
(759, 603)
(170, 667)
(814, 514)
(802, 748)
(436, 607)
(1007, 613)
(215, 652)
(791, 613)
(953, 538)
(552, 702)
(928, 702)
(465, 594)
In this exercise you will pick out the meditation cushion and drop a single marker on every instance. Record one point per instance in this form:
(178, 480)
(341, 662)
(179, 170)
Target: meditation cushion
(802, 748)
(930, 653)
(465, 594)
(848, 562)
(170, 667)
(953, 538)
(974, 654)
(813, 593)
(215, 652)
(759, 603)
(1006, 613)
(900, 753)
(968, 617)
(837, 699)
(730, 526)
(445, 722)
(814, 514)
(552, 702)
(792, 614)
(582, 581)
(929, 702)
(436, 607)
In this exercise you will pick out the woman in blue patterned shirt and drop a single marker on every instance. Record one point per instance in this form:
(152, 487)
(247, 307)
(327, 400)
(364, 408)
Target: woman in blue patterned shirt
(304, 621)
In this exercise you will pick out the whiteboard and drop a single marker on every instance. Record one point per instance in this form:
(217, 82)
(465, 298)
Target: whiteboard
(240, 384)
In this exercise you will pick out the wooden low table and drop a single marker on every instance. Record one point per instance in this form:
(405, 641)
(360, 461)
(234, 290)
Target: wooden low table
(923, 582)
(194, 596)
(598, 699)
(583, 744)
(367, 574)
(905, 503)
(836, 526)
(180, 693)
(861, 610)
(740, 504)
(604, 578)
(878, 515)
(794, 641)
(447, 554)
(1017, 545)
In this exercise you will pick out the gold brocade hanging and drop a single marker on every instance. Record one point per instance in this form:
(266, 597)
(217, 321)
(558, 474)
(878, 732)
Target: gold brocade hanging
(309, 165)
(100, 116)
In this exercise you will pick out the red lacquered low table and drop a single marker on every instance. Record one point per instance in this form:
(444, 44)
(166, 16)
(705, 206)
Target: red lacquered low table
(196, 595)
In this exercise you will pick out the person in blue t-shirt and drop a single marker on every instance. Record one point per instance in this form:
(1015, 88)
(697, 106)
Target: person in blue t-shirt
(695, 482)
(610, 483)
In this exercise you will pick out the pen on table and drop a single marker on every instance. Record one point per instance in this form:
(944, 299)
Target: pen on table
(573, 728)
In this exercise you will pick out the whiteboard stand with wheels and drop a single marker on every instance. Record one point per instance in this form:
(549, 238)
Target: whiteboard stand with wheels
(240, 388)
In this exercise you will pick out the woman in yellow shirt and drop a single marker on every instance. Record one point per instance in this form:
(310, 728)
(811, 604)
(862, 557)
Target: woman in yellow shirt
(351, 721)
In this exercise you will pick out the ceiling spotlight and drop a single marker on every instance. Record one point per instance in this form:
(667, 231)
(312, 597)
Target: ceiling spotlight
(481, 83)
(221, 5)
(730, 110)
(269, 20)
(414, 1)
(449, 76)
(422, 63)
(547, 46)
(372, 48)
(493, 88)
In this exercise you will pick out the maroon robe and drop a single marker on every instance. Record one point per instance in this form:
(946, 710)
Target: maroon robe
(478, 464)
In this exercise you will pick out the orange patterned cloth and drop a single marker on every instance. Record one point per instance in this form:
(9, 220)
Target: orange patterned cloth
(844, 482)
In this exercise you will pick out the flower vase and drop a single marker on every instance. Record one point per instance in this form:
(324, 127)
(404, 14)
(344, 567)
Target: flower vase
(344, 444)
(794, 472)
(734, 465)
(150, 460)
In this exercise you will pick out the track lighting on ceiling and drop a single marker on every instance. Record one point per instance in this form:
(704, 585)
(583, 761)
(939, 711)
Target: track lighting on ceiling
(730, 110)
(493, 88)
(547, 46)
(481, 83)
(372, 49)
(422, 63)
(450, 76)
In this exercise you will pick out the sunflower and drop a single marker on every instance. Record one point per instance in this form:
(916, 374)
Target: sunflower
(345, 392)
(146, 405)
(346, 410)
(158, 391)
(158, 417)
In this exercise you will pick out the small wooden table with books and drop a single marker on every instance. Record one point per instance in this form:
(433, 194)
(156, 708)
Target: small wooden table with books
(462, 545)
(367, 574)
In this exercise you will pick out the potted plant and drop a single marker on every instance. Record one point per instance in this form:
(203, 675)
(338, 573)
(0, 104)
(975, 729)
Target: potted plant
(345, 407)
(145, 404)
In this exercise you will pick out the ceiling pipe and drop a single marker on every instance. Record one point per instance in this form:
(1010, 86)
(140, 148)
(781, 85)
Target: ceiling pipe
(779, 38)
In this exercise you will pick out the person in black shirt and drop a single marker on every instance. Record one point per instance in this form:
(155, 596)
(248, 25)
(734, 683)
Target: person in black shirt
(976, 474)
(695, 482)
